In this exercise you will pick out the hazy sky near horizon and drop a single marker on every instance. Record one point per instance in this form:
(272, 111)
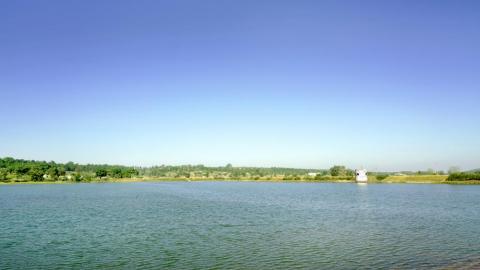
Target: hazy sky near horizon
(388, 85)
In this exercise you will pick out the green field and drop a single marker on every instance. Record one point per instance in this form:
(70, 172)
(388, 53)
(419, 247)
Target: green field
(414, 179)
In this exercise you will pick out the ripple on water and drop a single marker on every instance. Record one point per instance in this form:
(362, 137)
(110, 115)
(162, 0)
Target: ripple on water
(239, 226)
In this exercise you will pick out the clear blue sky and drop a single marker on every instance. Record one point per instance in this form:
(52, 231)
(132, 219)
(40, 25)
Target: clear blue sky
(388, 85)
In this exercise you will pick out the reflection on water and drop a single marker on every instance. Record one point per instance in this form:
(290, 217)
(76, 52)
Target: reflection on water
(239, 225)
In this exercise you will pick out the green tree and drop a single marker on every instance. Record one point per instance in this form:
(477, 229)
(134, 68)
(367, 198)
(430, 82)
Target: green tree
(3, 174)
(20, 168)
(70, 167)
(53, 173)
(338, 170)
(36, 174)
(116, 173)
(61, 171)
(100, 172)
(132, 172)
(77, 177)
(381, 177)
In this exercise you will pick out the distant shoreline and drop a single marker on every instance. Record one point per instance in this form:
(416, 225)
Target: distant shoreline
(411, 180)
(19, 171)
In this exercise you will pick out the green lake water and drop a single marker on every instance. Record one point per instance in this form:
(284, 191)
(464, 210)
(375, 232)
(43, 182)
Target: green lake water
(239, 225)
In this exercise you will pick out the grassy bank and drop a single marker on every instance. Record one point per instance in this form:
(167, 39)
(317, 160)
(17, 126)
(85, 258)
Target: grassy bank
(430, 179)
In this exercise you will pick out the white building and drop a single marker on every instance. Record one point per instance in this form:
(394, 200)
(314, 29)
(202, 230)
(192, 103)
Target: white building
(361, 176)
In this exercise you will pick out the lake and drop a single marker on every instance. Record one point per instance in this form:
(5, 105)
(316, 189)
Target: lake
(239, 225)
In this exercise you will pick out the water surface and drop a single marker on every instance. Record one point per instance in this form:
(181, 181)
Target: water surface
(238, 225)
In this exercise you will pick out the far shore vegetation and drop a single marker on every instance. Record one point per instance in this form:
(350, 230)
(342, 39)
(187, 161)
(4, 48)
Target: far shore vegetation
(30, 171)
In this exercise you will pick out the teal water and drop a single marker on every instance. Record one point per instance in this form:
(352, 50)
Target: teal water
(238, 225)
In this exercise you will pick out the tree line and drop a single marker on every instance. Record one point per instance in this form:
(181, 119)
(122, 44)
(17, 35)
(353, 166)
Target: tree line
(464, 176)
(221, 172)
(31, 170)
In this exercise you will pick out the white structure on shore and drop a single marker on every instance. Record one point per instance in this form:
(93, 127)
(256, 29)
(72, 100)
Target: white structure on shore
(361, 176)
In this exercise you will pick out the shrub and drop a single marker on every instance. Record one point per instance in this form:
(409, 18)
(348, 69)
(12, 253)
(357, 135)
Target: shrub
(322, 177)
(100, 172)
(381, 177)
(77, 177)
(338, 170)
(463, 176)
(36, 174)
(3, 174)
